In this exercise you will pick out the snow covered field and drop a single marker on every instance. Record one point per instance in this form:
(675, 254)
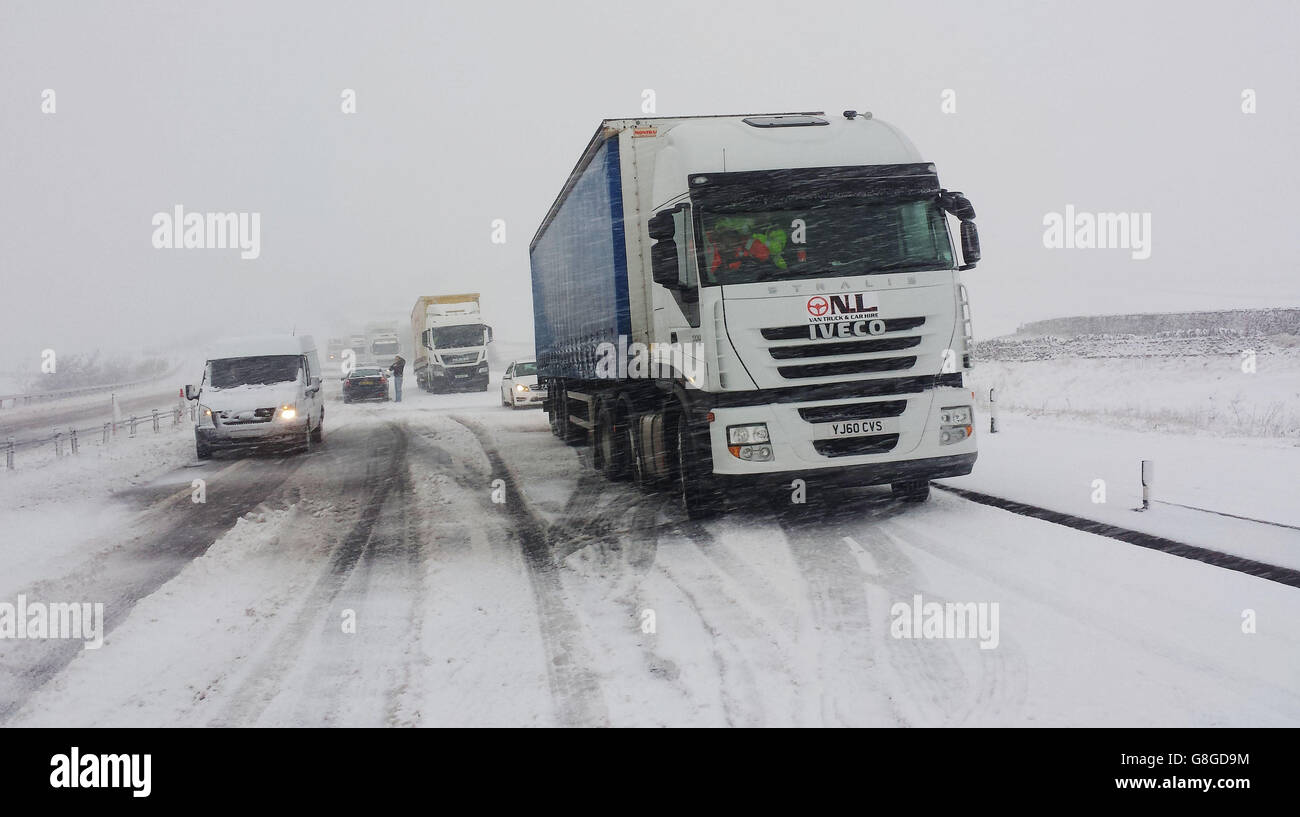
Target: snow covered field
(378, 581)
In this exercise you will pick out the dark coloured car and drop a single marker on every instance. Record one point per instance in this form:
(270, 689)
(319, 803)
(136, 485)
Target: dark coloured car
(367, 383)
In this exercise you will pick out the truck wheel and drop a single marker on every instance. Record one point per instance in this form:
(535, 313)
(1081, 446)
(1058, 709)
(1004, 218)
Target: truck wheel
(570, 432)
(553, 417)
(636, 470)
(202, 451)
(611, 443)
(917, 490)
(698, 495)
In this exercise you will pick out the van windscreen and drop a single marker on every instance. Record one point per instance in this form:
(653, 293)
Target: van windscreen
(253, 371)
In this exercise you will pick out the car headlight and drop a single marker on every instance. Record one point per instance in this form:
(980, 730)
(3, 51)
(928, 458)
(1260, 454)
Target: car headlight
(750, 442)
(288, 411)
(520, 387)
(482, 369)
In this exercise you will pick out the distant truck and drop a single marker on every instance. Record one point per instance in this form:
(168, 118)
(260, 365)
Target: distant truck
(383, 348)
(449, 342)
(725, 304)
(360, 347)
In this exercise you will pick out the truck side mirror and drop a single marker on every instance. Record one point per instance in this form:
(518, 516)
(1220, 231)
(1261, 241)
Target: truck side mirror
(957, 204)
(970, 245)
(489, 334)
(663, 263)
(661, 225)
(191, 393)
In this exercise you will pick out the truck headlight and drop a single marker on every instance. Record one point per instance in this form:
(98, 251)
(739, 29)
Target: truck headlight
(288, 411)
(956, 423)
(749, 442)
(955, 415)
(205, 416)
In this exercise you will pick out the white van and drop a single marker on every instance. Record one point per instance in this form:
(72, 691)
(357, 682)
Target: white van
(259, 391)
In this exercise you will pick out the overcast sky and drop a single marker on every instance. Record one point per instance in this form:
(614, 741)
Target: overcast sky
(469, 112)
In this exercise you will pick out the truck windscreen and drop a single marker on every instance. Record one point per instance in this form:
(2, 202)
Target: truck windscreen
(253, 371)
(823, 240)
(457, 337)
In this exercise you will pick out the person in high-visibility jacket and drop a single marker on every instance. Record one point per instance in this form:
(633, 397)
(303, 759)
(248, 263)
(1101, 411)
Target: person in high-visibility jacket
(735, 242)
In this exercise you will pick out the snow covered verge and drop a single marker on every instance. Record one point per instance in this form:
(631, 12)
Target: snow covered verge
(1223, 383)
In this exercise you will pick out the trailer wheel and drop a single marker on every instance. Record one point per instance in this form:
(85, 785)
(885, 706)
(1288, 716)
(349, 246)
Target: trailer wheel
(696, 491)
(916, 490)
(570, 432)
(610, 443)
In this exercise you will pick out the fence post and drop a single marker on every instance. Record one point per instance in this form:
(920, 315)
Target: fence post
(9, 454)
(107, 427)
(155, 421)
(132, 425)
(993, 412)
(176, 416)
(72, 437)
(1148, 477)
(58, 443)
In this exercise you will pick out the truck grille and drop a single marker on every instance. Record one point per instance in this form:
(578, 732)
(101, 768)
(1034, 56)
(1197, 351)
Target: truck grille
(844, 347)
(458, 360)
(810, 349)
(801, 332)
(856, 446)
(853, 411)
(880, 364)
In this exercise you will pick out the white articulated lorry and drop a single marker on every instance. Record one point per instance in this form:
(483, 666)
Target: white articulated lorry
(734, 303)
(449, 343)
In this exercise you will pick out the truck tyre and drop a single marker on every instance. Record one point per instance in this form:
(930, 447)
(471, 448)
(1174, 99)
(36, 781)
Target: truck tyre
(694, 484)
(570, 432)
(203, 452)
(553, 416)
(636, 469)
(611, 442)
(916, 490)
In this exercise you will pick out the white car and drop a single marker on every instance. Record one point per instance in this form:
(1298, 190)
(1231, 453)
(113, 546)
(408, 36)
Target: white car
(519, 387)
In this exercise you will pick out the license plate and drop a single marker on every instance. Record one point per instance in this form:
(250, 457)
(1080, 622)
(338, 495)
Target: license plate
(857, 428)
(461, 376)
(367, 382)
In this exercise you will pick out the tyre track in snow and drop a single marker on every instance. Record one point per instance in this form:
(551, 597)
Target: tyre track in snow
(128, 572)
(906, 681)
(575, 686)
(260, 688)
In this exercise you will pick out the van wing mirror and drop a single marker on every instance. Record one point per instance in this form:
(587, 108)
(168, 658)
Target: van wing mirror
(191, 393)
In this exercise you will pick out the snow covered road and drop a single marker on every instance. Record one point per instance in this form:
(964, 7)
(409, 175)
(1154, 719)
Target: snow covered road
(448, 562)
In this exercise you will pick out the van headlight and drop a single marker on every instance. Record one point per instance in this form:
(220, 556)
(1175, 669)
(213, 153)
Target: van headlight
(205, 416)
(288, 411)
